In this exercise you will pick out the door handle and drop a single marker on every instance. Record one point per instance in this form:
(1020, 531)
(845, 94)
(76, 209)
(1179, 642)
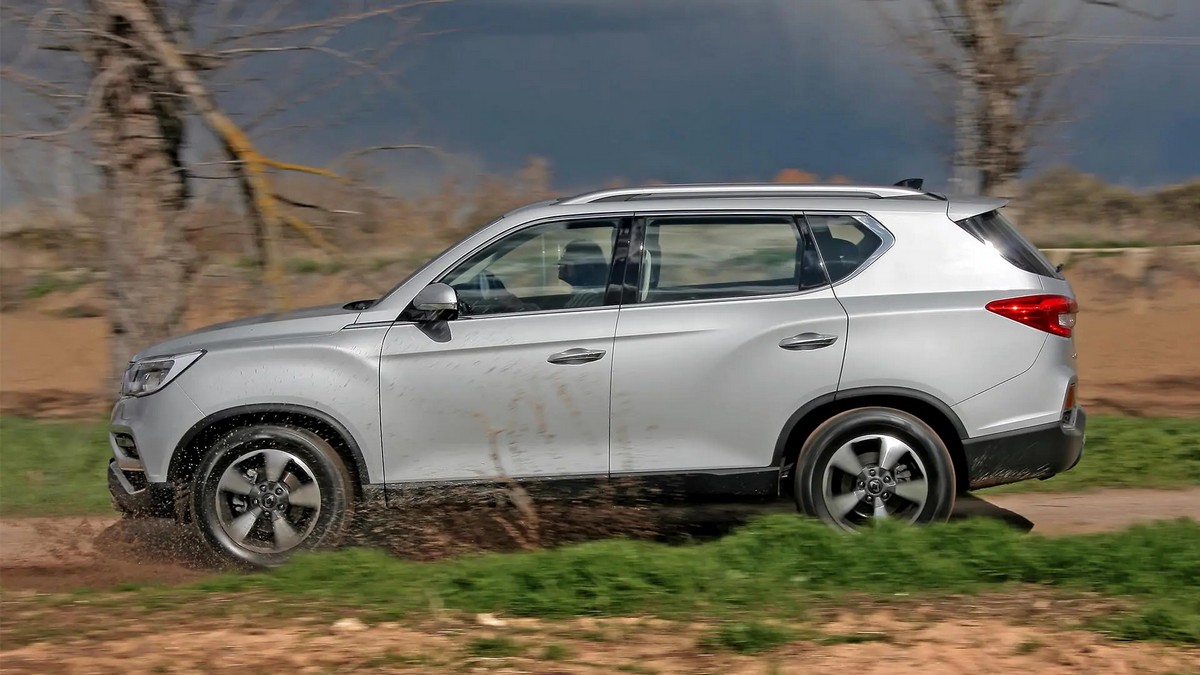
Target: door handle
(576, 356)
(807, 341)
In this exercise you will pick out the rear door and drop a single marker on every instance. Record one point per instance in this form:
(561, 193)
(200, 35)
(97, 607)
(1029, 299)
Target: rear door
(728, 327)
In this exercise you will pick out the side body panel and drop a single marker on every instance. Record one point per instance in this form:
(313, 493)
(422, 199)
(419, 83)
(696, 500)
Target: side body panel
(476, 398)
(1033, 398)
(705, 385)
(336, 374)
(917, 317)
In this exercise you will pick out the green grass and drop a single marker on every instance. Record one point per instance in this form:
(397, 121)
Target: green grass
(1128, 452)
(53, 468)
(56, 468)
(556, 652)
(310, 266)
(51, 282)
(1029, 646)
(746, 637)
(494, 647)
(770, 568)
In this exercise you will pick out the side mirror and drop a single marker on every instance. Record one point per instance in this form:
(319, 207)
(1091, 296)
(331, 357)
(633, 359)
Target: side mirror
(436, 298)
(435, 302)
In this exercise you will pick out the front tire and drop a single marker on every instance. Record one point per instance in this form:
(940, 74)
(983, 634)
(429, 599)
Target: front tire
(871, 464)
(264, 492)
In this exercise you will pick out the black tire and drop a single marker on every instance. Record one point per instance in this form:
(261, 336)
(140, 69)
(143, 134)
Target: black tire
(824, 485)
(312, 463)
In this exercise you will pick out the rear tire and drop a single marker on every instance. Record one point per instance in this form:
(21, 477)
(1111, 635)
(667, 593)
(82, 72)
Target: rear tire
(264, 492)
(874, 463)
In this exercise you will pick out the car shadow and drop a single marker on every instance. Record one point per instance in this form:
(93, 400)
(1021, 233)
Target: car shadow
(970, 506)
(677, 524)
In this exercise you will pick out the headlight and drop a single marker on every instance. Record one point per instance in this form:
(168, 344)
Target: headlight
(147, 376)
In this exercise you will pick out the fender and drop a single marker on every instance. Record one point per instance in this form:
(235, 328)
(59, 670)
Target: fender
(863, 392)
(268, 409)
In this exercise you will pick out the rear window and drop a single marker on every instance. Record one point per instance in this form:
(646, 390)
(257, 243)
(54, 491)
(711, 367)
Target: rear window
(994, 229)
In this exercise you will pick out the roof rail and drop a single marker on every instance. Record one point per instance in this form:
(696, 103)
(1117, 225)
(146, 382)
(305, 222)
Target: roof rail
(739, 190)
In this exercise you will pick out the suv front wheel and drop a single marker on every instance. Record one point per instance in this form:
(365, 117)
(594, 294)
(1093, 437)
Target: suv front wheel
(875, 463)
(263, 492)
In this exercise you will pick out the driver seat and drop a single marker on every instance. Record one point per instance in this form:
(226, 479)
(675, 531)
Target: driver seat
(585, 268)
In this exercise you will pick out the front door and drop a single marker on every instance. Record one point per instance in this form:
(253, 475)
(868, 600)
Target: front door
(518, 385)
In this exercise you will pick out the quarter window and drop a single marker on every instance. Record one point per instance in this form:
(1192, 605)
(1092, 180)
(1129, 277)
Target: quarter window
(556, 265)
(706, 257)
(845, 241)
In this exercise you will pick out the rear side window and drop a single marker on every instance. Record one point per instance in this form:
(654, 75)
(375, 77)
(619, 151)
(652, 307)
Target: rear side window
(994, 230)
(707, 257)
(846, 242)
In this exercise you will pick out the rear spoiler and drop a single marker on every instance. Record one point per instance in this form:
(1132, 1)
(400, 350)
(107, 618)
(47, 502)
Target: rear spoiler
(957, 209)
(961, 209)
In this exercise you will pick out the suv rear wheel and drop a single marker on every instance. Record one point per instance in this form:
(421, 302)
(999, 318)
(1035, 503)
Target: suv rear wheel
(263, 492)
(875, 463)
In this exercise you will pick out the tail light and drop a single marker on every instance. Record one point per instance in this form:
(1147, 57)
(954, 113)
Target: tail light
(1054, 314)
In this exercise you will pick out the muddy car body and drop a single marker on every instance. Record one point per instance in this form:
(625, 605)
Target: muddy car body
(866, 351)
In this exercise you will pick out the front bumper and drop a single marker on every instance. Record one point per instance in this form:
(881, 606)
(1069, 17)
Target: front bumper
(1036, 452)
(132, 495)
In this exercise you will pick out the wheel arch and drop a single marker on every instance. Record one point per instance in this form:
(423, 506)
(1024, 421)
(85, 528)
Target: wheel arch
(926, 407)
(192, 445)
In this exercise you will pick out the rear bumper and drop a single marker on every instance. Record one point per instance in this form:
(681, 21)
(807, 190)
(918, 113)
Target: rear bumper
(132, 495)
(1036, 452)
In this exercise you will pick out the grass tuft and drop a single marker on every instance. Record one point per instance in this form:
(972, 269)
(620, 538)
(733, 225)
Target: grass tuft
(556, 652)
(748, 637)
(494, 647)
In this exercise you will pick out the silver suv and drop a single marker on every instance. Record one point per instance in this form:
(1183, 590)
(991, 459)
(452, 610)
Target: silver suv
(869, 352)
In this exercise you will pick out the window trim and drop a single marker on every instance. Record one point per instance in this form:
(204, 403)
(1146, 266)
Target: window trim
(616, 267)
(637, 246)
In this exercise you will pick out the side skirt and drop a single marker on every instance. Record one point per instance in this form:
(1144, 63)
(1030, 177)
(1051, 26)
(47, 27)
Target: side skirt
(719, 485)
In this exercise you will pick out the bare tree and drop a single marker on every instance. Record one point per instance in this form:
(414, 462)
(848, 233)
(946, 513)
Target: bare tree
(125, 82)
(1003, 57)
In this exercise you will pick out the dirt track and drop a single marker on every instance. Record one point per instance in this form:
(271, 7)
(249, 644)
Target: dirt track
(54, 554)
(963, 636)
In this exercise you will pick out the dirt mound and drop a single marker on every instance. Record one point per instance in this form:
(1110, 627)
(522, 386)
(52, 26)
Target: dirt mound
(61, 554)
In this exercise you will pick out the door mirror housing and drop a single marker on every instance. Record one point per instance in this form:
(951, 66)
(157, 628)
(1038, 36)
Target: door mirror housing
(435, 302)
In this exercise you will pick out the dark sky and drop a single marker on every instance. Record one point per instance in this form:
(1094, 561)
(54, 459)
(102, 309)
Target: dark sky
(708, 90)
(697, 90)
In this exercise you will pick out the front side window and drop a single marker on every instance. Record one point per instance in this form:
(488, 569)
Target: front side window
(846, 242)
(706, 257)
(556, 265)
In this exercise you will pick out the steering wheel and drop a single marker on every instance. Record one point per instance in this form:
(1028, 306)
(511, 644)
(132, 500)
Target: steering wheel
(490, 296)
